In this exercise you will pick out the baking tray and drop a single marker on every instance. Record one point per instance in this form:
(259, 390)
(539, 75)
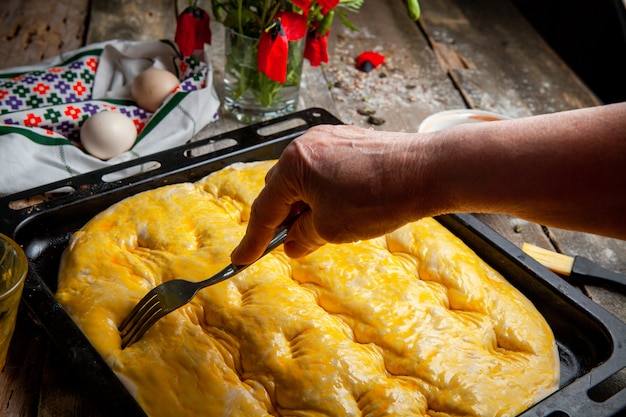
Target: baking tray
(591, 341)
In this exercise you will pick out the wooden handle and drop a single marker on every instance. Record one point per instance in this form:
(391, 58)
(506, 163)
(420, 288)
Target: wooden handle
(556, 262)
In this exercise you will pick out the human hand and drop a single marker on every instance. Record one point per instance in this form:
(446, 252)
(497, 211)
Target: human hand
(363, 183)
(354, 180)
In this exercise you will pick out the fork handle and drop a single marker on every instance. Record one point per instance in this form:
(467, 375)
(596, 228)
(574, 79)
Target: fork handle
(280, 235)
(232, 270)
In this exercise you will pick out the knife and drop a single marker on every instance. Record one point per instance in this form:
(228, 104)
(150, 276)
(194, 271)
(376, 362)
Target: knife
(579, 269)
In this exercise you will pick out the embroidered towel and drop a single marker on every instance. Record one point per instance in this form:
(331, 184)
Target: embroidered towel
(43, 106)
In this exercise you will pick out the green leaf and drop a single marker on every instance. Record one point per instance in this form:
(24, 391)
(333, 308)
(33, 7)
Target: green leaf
(352, 5)
(347, 23)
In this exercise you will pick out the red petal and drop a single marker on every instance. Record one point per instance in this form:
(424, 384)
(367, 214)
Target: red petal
(327, 5)
(184, 37)
(272, 53)
(294, 25)
(192, 30)
(203, 29)
(316, 48)
(373, 58)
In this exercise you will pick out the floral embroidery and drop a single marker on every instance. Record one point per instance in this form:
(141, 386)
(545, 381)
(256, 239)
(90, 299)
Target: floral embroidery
(59, 99)
(32, 120)
(41, 88)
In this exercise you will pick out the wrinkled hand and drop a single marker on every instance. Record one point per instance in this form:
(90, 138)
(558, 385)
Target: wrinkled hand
(348, 176)
(363, 183)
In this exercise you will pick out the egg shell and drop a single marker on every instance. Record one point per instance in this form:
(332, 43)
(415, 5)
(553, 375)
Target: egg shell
(151, 87)
(107, 134)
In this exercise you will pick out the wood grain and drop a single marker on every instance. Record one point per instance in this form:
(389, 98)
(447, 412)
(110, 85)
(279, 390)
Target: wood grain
(503, 65)
(20, 379)
(479, 54)
(406, 89)
(137, 20)
(34, 30)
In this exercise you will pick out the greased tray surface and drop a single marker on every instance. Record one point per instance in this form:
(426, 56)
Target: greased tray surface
(591, 341)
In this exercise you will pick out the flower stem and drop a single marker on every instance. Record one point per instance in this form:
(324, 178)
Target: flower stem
(240, 15)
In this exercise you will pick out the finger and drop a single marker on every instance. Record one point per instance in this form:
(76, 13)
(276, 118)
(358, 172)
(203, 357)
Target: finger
(251, 246)
(271, 207)
(260, 230)
(302, 238)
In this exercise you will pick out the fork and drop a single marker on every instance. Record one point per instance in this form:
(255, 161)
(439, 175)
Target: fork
(171, 295)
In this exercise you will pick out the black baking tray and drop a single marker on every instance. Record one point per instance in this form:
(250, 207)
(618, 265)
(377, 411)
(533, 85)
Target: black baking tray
(591, 341)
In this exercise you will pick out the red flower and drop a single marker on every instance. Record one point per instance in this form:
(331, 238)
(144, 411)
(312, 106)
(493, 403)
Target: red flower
(369, 60)
(327, 5)
(316, 48)
(294, 25)
(272, 53)
(192, 30)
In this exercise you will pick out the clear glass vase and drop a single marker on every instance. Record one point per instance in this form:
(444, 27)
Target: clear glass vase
(249, 95)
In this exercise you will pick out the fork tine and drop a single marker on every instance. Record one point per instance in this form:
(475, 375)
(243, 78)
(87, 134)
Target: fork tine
(141, 318)
(137, 311)
(142, 326)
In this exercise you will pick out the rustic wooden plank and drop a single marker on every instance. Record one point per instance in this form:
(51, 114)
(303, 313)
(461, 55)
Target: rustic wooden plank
(21, 377)
(516, 230)
(139, 20)
(33, 30)
(406, 89)
(501, 63)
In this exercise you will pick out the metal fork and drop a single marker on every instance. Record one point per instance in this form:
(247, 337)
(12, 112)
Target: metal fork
(171, 295)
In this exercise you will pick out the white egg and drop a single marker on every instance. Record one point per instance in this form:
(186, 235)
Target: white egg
(151, 87)
(107, 134)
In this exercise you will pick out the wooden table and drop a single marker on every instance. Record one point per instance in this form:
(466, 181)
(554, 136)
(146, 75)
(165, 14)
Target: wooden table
(479, 54)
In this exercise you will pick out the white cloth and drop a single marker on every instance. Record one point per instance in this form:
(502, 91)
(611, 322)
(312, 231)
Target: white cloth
(43, 106)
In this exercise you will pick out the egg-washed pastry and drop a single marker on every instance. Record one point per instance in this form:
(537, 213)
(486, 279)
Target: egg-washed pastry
(409, 324)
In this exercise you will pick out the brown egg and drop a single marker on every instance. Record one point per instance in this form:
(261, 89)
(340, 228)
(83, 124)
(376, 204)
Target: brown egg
(151, 87)
(107, 134)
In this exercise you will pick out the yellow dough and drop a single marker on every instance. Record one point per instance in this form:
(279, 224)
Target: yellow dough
(409, 324)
